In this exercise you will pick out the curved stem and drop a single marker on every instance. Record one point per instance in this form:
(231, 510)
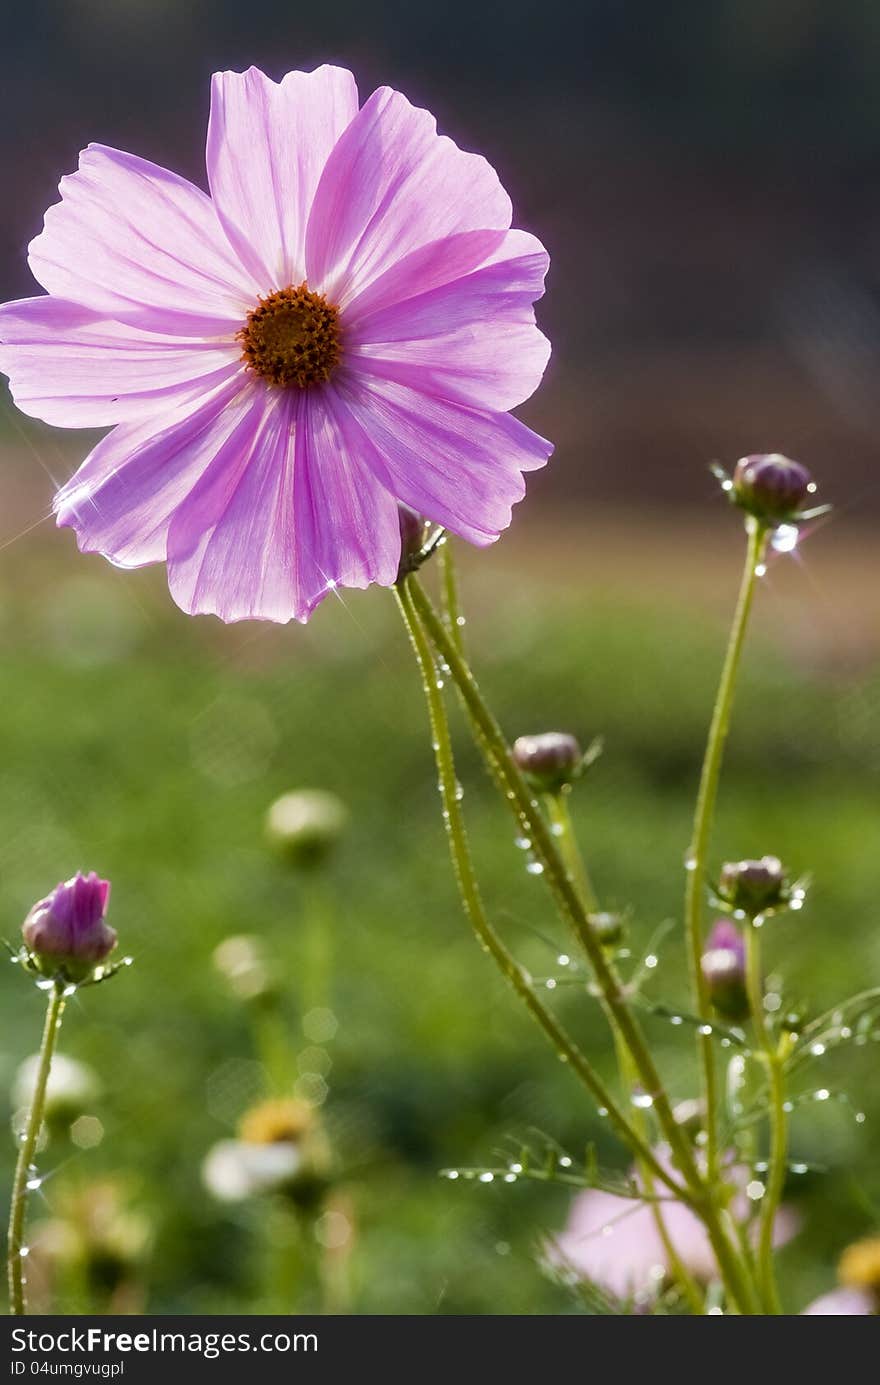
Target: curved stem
(697, 860)
(532, 820)
(563, 827)
(23, 1167)
(473, 904)
(534, 824)
(778, 1121)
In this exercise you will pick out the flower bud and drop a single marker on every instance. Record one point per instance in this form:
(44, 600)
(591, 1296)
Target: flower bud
(549, 761)
(723, 964)
(608, 928)
(305, 825)
(70, 1090)
(753, 886)
(66, 934)
(412, 539)
(690, 1115)
(242, 962)
(771, 487)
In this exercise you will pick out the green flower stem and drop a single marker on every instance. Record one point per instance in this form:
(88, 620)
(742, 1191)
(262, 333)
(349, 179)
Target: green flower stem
(778, 1121)
(272, 1043)
(563, 828)
(697, 861)
(27, 1148)
(473, 904)
(532, 820)
(543, 844)
(451, 603)
(316, 958)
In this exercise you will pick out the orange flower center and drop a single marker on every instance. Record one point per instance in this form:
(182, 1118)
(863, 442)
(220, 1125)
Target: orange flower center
(292, 338)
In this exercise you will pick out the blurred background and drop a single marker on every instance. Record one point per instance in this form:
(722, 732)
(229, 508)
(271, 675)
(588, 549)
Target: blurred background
(705, 176)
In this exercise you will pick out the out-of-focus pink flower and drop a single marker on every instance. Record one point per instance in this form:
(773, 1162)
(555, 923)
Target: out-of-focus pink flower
(614, 1242)
(344, 324)
(849, 1303)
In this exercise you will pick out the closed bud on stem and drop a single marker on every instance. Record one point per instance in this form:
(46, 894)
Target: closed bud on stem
(244, 966)
(755, 887)
(607, 927)
(771, 487)
(72, 1087)
(723, 964)
(412, 539)
(66, 934)
(550, 761)
(304, 826)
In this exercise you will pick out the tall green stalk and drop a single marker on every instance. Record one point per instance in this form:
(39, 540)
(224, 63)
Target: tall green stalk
(778, 1121)
(697, 857)
(531, 819)
(472, 902)
(16, 1249)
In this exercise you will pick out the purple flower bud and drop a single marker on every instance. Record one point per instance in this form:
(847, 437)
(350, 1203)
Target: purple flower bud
(412, 538)
(754, 886)
(724, 968)
(771, 487)
(549, 761)
(66, 933)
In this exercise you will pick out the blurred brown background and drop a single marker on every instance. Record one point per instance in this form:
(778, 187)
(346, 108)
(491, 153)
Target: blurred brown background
(704, 173)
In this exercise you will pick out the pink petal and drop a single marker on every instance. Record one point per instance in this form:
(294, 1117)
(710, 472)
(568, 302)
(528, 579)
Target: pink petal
(431, 266)
(122, 498)
(849, 1303)
(268, 143)
(460, 467)
(275, 526)
(612, 1241)
(392, 185)
(473, 340)
(70, 367)
(134, 242)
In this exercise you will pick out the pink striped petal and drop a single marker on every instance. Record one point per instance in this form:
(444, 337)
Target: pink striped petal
(473, 340)
(430, 267)
(268, 143)
(134, 242)
(267, 533)
(122, 498)
(390, 186)
(460, 467)
(72, 368)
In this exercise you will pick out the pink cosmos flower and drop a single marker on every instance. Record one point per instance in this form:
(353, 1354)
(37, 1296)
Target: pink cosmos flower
(342, 325)
(614, 1241)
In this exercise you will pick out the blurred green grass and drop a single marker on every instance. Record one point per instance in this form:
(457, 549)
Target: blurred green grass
(148, 746)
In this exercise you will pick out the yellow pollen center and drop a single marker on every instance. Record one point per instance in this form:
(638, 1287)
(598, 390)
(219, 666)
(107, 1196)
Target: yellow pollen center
(292, 338)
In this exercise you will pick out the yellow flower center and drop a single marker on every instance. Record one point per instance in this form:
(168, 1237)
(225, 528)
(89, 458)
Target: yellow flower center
(859, 1266)
(276, 1121)
(292, 338)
